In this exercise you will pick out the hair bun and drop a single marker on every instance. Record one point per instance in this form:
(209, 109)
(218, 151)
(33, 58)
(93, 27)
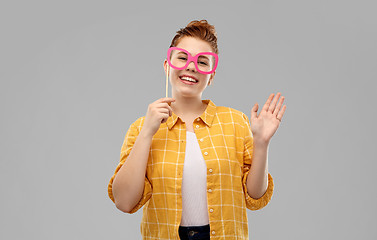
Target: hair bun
(203, 24)
(199, 29)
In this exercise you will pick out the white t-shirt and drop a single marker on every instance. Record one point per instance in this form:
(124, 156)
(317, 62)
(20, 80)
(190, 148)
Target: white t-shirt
(194, 185)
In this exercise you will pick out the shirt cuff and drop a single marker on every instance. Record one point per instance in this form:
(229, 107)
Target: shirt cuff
(256, 204)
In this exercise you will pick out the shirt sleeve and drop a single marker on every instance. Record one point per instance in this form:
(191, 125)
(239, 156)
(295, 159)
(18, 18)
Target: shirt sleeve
(252, 203)
(128, 143)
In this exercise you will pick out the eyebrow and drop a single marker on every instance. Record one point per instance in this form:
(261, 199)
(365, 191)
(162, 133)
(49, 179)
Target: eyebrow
(203, 57)
(209, 59)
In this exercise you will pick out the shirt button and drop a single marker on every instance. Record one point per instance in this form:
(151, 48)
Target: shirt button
(205, 153)
(209, 190)
(198, 119)
(211, 210)
(213, 232)
(197, 126)
(201, 139)
(210, 170)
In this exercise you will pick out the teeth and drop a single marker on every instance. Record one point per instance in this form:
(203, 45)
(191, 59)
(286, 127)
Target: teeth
(188, 79)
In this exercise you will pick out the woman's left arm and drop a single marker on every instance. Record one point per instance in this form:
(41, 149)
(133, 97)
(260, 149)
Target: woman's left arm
(263, 127)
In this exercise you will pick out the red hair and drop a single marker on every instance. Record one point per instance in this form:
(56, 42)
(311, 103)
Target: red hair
(198, 29)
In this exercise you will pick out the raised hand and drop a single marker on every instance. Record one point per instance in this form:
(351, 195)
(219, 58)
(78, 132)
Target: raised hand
(264, 125)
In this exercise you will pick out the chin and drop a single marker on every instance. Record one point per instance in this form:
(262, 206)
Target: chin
(189, 94)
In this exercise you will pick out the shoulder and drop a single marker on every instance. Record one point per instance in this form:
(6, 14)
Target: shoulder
(231, 114)
(138, 124)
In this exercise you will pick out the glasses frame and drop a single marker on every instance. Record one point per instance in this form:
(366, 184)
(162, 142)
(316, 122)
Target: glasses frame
(193, 59)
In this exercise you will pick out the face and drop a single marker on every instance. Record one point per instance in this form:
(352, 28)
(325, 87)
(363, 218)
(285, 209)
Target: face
(186, 88)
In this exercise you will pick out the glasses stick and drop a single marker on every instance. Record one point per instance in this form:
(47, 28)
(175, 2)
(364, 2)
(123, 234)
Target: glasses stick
(167, 80)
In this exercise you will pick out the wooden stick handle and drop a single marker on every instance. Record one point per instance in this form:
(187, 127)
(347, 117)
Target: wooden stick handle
(167, 80)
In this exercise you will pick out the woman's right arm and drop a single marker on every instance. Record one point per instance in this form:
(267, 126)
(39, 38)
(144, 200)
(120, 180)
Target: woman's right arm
(128, 184)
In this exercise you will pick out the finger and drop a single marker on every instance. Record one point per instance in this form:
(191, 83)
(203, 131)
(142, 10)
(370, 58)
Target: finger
(164, 118)
(170, 110)
(267, 104)
(277, 109)
(164, 111)
(166, 106)
(254, 111)
(273, 104)
(167, 100)
(281, 113)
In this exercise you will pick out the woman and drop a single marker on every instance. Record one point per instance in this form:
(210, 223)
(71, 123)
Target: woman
(195, 166)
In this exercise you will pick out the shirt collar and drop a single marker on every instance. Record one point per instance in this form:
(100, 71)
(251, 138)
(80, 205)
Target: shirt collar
(207, 116)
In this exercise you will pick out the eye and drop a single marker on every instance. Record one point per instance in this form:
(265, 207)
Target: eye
(203, 60)
(203, 63)
(182, 58)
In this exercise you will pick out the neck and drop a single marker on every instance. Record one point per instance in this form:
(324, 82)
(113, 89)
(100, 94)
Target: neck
(188, 105)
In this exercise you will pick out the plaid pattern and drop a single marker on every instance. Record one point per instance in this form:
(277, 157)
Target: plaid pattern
(226, 141)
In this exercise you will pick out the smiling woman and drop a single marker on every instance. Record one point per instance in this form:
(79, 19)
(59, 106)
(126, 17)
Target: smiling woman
(189, 161)
(192, 62)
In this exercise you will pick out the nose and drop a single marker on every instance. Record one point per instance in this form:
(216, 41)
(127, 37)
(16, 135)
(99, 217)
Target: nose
(191, 66)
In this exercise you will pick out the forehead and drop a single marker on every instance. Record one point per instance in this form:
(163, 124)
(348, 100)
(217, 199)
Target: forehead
(194, 45)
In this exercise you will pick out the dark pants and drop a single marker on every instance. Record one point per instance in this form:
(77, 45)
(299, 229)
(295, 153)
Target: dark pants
(194, 232)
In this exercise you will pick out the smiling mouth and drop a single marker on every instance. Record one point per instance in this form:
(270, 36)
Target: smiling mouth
(188, 79)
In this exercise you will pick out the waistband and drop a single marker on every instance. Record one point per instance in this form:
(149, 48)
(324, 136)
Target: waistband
(193, 228)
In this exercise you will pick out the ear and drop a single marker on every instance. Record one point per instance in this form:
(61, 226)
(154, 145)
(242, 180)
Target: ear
(165, 65)
(211, 78)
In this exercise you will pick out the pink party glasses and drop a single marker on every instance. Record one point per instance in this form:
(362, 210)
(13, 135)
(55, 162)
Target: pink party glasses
(205, 62)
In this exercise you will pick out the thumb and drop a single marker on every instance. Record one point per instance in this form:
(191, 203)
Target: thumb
(254, 111)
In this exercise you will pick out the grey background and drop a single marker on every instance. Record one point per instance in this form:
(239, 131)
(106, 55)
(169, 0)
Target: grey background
(76, 74)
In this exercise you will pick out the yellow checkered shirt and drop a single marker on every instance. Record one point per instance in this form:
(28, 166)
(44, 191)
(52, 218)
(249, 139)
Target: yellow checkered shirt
(226, 141)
